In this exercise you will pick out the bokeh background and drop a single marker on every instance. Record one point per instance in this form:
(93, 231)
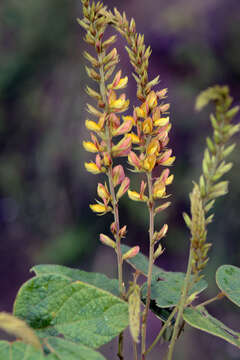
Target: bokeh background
(44, 188)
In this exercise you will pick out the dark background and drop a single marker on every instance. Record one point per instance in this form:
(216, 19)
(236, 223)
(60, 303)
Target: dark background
(44, 188)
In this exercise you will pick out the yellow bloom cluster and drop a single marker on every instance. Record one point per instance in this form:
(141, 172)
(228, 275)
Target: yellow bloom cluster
(109, 125)
(151, 136)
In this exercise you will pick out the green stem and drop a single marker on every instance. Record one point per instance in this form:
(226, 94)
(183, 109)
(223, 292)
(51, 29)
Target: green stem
(209, 301)
(163, 328)
(181, 305)
(150, 264)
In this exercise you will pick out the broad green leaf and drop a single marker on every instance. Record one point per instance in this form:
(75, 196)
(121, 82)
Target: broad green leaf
(67, 350)
(53, 304)
(228, 280)
(14, 326)
(202, 320)
(166, 288)
(166, 285)
(99, 280)
(18, 351)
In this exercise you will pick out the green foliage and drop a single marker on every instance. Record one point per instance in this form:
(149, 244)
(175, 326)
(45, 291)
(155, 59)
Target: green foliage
(97, 279)
(53, 305)
(228, 280)
(19, 351)
(68, 350)
(166, 285)
(166, 288)
(60, 349)
(202, 320)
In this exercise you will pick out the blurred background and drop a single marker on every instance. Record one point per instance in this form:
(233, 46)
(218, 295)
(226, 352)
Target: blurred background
(44, 188)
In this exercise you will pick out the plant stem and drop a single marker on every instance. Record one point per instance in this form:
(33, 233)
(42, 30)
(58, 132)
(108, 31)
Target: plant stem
(163, 328)
(209, 301)
(150, 264)
(135, 350)
(118, 239)
(103, 92)
(181, 305)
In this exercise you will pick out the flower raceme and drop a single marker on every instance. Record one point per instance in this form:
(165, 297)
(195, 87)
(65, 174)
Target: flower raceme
(152, 128)
(110, 134)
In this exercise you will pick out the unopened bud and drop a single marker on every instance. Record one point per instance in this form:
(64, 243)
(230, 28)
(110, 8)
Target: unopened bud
(164, 108)
(113, 228)
(123, 188)
(158, 252)
(131, 253)
(107, 241)
(103, 192)
(118, 175)
(123, 231)
(162, 93)
(162, 207)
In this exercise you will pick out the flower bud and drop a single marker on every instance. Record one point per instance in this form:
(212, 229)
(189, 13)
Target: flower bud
(118, 175)
(103, 192)
(123, 231)
(123, 188)
(131, 253)
(107, 241)
(158, 252)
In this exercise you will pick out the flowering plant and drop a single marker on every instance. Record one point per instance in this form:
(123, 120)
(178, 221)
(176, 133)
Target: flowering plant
(89, 309)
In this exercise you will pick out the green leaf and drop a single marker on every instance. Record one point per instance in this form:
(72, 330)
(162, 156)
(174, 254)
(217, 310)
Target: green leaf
(166, 285)
(99, 280)
(202, 320)
(166, 288)
(67, 350)
(52, 304)
(18, 351)
(228, 280)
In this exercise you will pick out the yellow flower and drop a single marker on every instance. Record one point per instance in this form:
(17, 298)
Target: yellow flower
(149, 163)
(103, 192)
(128, 117)
(147, 125)
(122, 83)
(117, 105)
(92, 126)
(169, 161)
(92, 168)
(169, 180)
(89, 146)
(161, 121)
(135, 196)
(135, 138)
(140, 112)
(153, 147)
(159, 190)
(152, 99)
(98, 208)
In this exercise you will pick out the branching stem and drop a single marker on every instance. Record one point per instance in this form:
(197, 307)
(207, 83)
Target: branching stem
(209, 301)
(163, 328)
